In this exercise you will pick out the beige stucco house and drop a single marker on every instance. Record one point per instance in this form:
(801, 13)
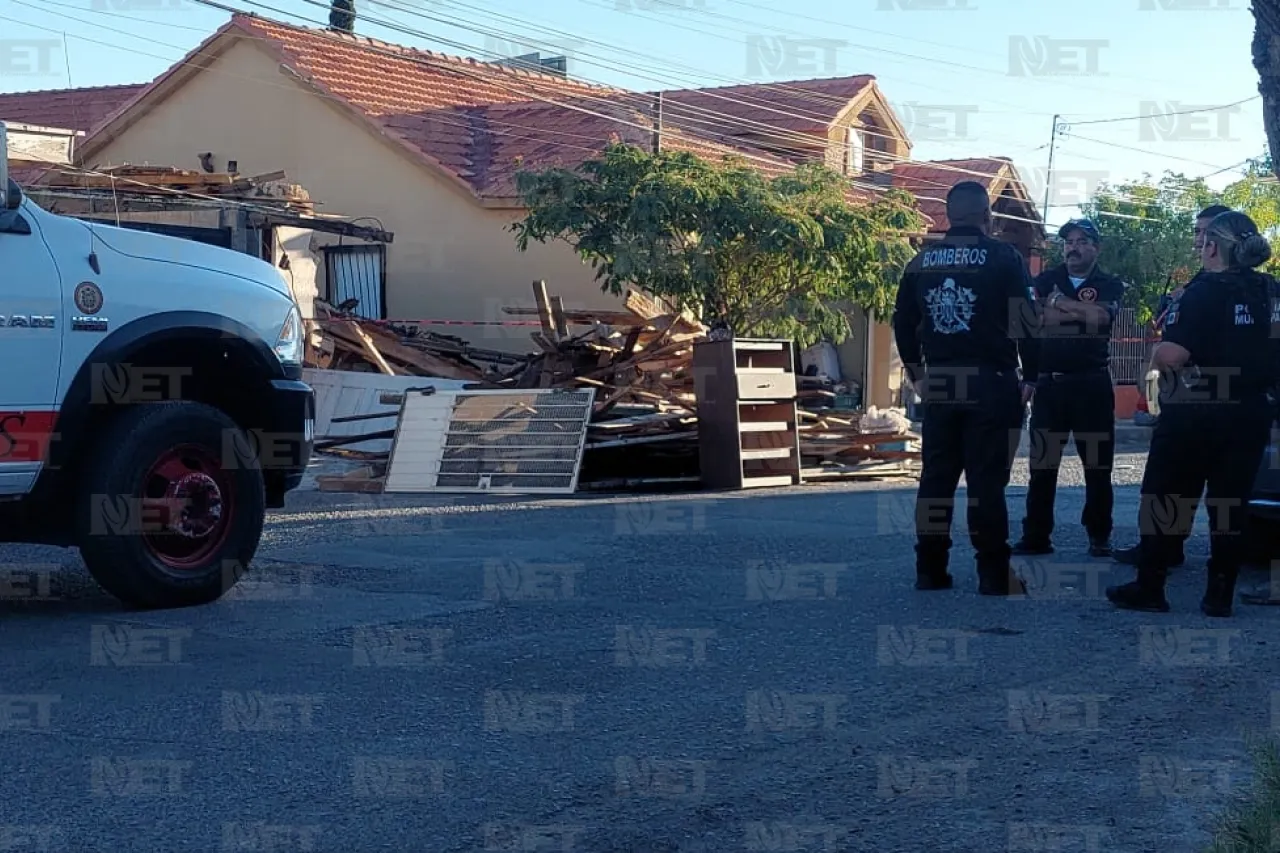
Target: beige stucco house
(427, 146)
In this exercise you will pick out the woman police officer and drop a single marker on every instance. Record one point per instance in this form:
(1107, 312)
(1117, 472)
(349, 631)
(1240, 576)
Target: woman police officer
(1219, 358)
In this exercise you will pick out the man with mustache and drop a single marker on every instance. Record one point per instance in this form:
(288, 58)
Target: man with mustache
(1074, 393)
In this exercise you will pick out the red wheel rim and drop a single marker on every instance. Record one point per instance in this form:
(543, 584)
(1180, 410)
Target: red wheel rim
(187, 507)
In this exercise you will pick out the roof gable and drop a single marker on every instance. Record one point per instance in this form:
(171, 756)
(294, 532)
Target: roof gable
(475, 122)
(930, 180)
(799, 106)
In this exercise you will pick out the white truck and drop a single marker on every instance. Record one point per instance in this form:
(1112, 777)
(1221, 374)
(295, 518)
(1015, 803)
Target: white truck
(152, 406)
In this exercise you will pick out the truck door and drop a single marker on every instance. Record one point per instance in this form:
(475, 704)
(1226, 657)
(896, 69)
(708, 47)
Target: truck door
(31, 329)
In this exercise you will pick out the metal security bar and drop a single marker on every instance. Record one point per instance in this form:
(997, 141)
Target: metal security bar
(1131, 346)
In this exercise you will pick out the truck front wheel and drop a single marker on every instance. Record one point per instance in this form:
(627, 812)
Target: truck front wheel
(172, 506)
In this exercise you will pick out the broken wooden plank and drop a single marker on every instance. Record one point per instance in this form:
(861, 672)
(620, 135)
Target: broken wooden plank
(558, 318)
(370, 348)
(392, 349)
(543, 302)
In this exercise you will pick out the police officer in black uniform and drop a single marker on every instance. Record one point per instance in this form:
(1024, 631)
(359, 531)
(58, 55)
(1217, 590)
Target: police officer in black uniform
(1219, 357)
(1074, 392)
(1129, 556)
(965, 310)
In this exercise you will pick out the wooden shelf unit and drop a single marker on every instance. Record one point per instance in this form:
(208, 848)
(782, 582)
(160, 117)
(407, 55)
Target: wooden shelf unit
(747, 420)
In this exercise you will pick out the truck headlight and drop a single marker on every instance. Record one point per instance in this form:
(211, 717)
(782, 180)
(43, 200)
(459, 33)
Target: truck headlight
(289, 344)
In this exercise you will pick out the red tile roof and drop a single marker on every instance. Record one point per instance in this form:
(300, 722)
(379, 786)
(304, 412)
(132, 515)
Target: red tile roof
(68, 109)
(480, 122)
(804, 106)
(930, 180)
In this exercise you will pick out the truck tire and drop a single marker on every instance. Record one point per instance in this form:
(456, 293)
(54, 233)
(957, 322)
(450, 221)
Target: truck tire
(173, 506)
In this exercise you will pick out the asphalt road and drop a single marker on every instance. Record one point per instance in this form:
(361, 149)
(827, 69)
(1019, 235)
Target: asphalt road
(693, 673)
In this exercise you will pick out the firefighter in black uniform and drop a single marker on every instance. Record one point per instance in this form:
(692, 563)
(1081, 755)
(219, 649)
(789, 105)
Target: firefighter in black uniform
(965, 309)
(1219, 358)
(1074, 392)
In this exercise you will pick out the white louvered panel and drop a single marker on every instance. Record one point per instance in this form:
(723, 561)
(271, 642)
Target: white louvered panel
(513, 442)
(342, 393)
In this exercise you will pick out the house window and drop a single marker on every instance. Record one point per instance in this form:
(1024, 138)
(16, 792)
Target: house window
(855, 154)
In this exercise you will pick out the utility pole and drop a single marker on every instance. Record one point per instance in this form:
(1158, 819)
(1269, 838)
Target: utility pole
(657, 124)
(1048, 175)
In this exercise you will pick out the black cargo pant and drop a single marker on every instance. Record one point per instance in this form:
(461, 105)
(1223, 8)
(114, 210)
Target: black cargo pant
(972, 423)
(1082, 406)
(1215, 445)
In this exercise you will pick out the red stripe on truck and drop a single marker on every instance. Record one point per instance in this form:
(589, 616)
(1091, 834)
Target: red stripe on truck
(25, 435)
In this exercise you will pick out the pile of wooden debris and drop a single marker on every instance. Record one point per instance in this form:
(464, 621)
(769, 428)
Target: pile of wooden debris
(644, 425)
(271, 189)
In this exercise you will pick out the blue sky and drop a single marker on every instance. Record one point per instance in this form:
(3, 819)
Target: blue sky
(968, 77)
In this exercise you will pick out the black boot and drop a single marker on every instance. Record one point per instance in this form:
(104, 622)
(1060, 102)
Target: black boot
(933, 581)
(1025, 547)
(1129, 556)
(1099, 546)
(1219, 594)
(1146, 593)
(1003, 581)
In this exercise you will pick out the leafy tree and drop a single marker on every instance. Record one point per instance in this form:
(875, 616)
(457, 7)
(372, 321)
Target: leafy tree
(784, 257)
(1257, 194)
(342, 15)
(1147, 229)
